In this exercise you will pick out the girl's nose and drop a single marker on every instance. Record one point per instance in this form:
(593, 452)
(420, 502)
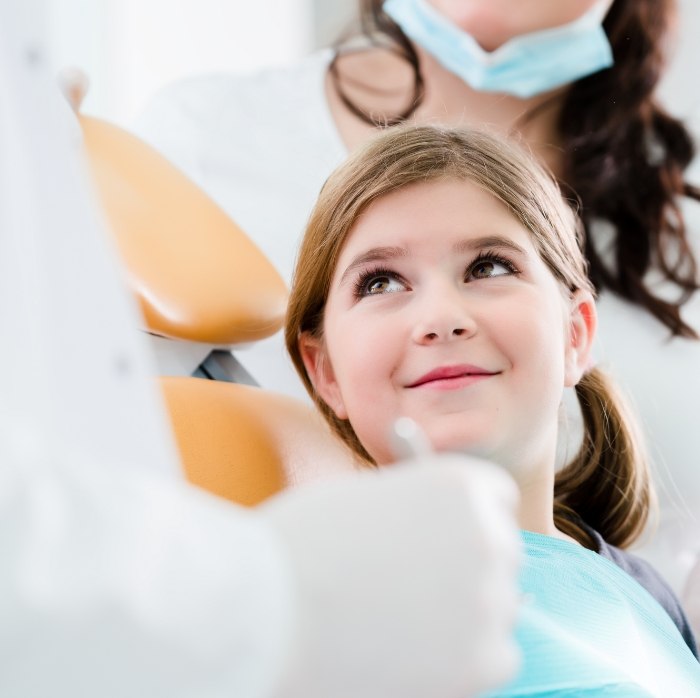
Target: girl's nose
(439, 335)
(444, 318)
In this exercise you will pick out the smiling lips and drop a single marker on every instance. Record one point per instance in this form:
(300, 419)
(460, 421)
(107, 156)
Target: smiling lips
(452, 377)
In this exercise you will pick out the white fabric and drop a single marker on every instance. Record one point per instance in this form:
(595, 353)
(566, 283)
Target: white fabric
(126, 584)
(117, 579)
(661, 377)
(263, 144)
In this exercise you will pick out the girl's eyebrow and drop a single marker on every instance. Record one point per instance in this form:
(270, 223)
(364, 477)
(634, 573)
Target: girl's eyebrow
(375, 254)
(488, 242)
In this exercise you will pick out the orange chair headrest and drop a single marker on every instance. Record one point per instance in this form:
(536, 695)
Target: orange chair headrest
(195, 273)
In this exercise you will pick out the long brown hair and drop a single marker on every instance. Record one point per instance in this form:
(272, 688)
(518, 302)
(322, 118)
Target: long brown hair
(607, 484)
(623, 155)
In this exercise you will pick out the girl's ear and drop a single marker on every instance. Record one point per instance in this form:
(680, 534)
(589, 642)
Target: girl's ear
(583, 321)
(318, 367)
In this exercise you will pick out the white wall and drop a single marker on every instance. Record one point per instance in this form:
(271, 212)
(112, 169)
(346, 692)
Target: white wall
(681, 85)
(331, 19)
(129, 48)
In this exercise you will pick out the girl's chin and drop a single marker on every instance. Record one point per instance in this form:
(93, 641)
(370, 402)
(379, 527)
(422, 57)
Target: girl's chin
(458, 443)
(475, 449)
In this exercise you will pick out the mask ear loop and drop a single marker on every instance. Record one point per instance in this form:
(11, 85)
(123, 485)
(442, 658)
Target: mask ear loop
(385, 122)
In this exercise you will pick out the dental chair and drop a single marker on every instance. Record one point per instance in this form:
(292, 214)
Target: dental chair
(192, 270)
(190, 266)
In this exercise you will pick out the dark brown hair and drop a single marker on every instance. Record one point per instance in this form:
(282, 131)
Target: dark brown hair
(607, 484)
(623, 155)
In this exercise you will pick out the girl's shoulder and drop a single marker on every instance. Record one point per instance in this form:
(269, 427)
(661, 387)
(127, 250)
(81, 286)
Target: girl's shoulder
(647, 576)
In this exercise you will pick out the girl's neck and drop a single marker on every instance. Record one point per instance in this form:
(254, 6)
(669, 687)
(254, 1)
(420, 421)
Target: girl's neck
(376, 80)
(536, 512)
(534, 474)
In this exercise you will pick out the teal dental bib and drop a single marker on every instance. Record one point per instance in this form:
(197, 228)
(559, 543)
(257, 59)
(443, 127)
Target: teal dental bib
(589, 629)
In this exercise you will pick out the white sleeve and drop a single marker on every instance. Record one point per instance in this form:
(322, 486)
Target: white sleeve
(128, 585)
(177, 119)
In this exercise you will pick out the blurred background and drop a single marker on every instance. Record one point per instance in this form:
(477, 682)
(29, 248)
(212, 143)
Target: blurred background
(130, 48)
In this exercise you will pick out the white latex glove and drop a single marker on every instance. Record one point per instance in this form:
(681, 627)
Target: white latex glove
(407, 581)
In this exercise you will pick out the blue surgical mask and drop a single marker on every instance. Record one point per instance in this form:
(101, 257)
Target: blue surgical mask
(523, 66)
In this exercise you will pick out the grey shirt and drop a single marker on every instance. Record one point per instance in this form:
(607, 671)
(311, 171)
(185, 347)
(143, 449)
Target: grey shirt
(651, 580)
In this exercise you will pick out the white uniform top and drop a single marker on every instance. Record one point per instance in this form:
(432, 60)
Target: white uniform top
(262, 145)
(117, 578)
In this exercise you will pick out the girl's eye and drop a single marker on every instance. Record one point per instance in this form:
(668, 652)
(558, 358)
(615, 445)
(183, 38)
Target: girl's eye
(376, 283)
(488, 267)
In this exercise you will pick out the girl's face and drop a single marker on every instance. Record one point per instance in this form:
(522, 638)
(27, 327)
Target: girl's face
(493, 22)
(440, 309)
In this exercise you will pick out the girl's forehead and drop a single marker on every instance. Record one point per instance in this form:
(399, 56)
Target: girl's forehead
(437, 210)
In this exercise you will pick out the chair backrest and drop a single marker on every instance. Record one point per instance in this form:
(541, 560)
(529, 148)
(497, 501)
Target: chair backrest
(190, 266)
(245, 443)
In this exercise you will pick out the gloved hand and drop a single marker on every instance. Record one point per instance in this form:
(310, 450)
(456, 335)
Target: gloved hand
(406, 580)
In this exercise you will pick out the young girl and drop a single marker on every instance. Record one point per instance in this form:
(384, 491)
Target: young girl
(441, 278)
(608, 133)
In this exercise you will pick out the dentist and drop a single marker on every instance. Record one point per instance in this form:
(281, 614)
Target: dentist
(118, 579)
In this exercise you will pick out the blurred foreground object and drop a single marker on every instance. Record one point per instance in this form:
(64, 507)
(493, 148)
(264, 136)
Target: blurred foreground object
(117, 578)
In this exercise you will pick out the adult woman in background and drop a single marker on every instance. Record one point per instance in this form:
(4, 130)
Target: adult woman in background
(262, 146)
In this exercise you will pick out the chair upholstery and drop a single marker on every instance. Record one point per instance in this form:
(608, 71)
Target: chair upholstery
(191, 267)
(244, 443)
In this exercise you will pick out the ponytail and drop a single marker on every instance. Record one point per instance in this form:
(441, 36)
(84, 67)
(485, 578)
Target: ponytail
(607, 485)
